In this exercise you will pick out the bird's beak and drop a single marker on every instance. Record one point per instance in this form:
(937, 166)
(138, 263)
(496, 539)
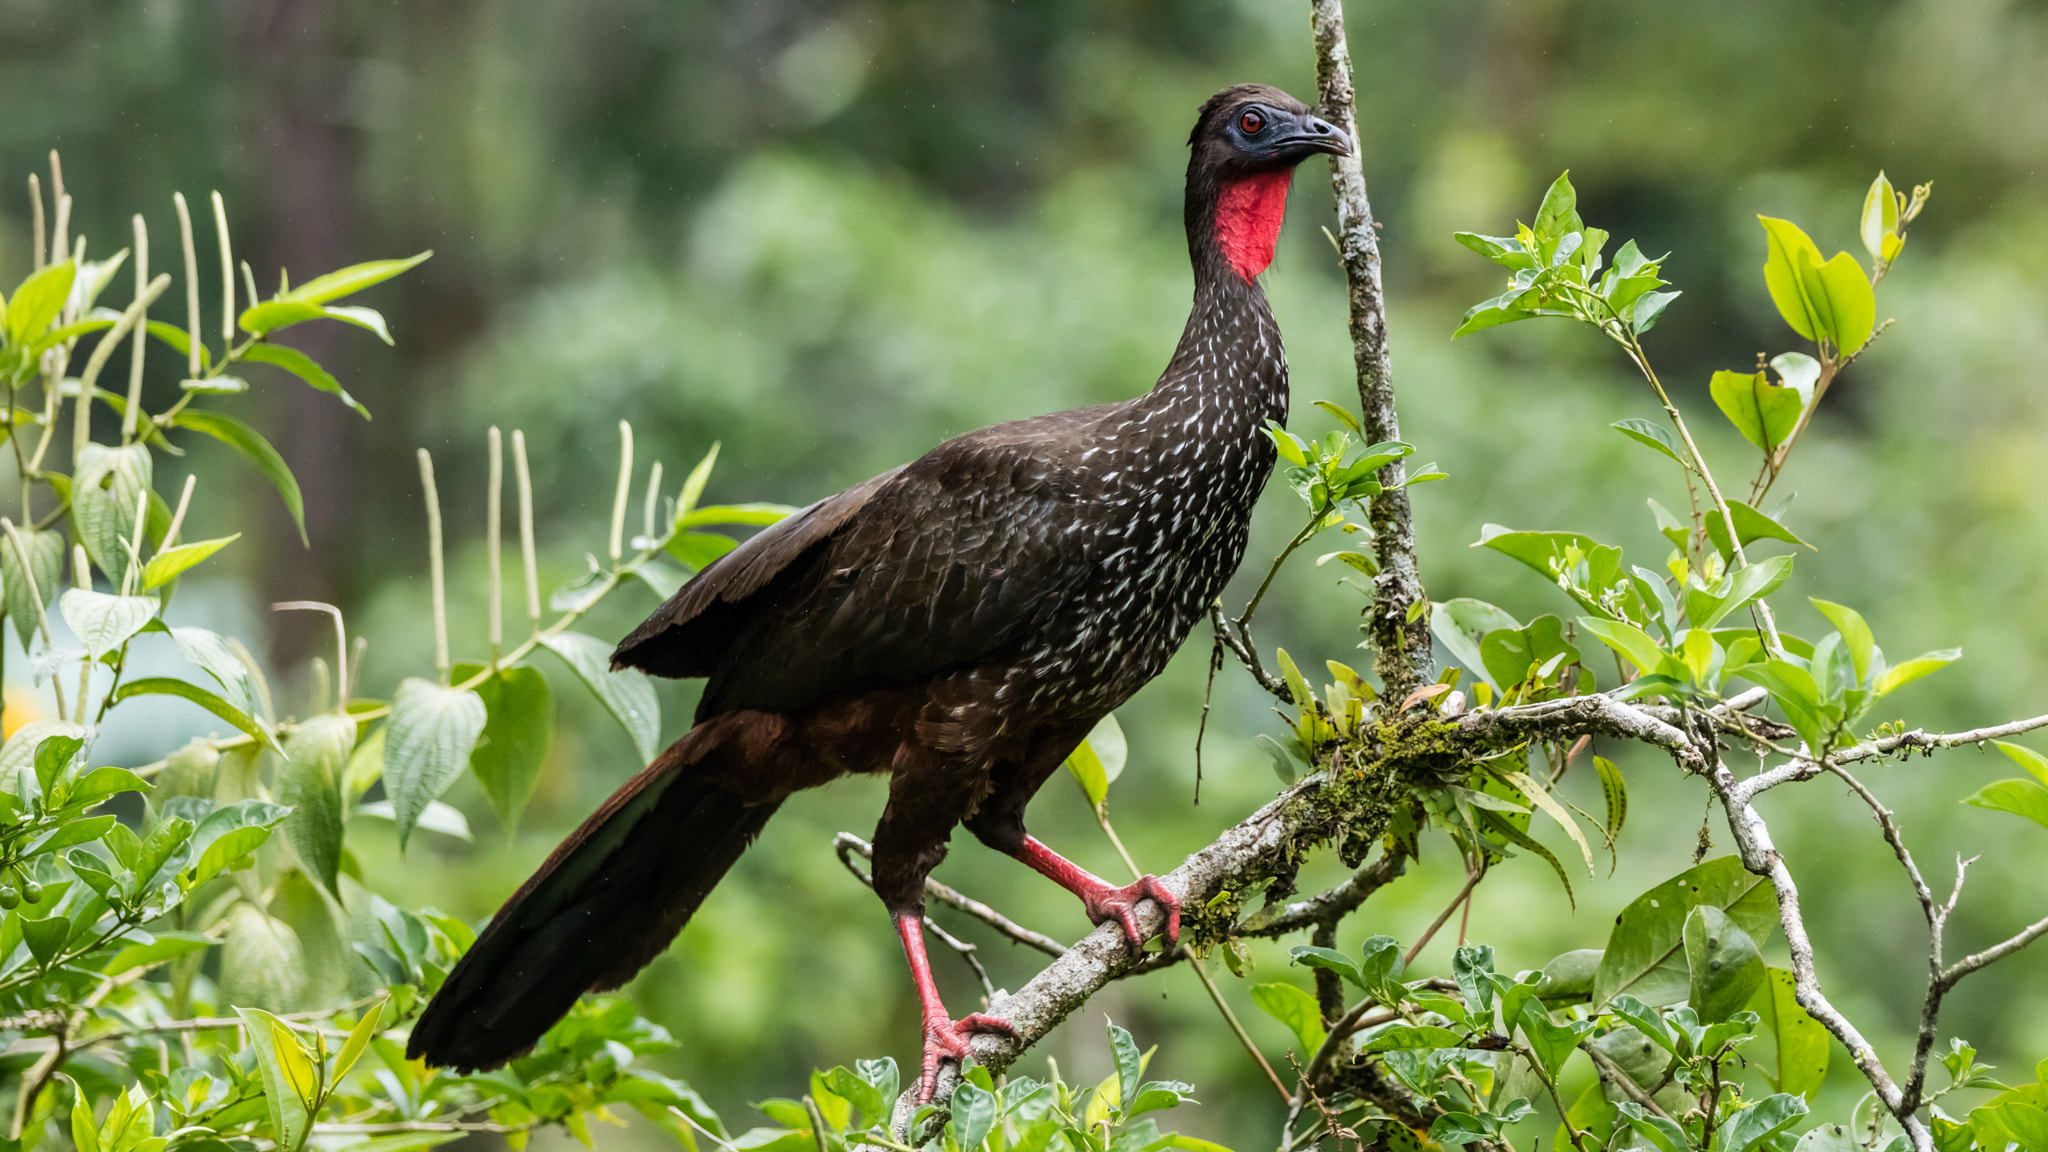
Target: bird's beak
(1315, 134)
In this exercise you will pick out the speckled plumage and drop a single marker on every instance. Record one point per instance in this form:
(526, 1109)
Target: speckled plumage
(959, 622)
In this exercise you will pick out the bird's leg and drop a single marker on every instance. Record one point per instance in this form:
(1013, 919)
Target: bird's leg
(1103, 901)
(944, 1037)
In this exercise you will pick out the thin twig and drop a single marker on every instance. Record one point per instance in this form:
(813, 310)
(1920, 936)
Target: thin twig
(1244, 1038)
(1473, 875)
(847, 845)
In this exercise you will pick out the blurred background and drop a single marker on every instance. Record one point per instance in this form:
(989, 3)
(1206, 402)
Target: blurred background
(829, 234)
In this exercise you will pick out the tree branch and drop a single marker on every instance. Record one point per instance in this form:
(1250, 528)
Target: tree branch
(1398, 618)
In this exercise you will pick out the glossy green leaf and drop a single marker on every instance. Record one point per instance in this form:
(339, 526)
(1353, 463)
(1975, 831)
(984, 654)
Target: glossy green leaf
(1905, 672)
(229, 834)
(2025, 798)
(752, 515)
(303, 366)
(309, 781)
(170, 686)
(1765, 413)
(974, 1115)
(1852, 301)
(290, 1119)
(1099, 759)
(1645, 954)
(1651, 435)
(166, 946)
(175, 561)
(427, 744)
(213, 655)
(1649, 307)
(1462, 625)
(1725, 968)
(1792, 274)
(1856, 637)
(1634, 644)
(1753, 1125)
(1541, 798)
(1297, 1009)
(1798, 1062)
(256, 450)
(352, 279)
(36, 303)
(2026, 758)
(1750, 526)
(1558, 215)
(626, 694)
(1880, 216)
(699, 549)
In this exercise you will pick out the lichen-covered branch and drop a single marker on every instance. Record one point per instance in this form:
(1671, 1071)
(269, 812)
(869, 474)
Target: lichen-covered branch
(1399, 619)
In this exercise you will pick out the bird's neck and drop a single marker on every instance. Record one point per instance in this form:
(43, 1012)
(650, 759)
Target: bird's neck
(1233, 222)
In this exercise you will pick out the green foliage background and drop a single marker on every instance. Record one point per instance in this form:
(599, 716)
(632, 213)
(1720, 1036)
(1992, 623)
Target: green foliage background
(830, 234)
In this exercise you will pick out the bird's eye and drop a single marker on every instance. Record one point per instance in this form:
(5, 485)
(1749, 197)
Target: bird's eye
(1251, 122)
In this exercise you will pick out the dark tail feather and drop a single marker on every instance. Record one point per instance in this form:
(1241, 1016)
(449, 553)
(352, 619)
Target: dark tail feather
(608, 900)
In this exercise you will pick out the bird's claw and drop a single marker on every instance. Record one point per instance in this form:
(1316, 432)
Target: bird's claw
(947, 1040)
(1121, 904)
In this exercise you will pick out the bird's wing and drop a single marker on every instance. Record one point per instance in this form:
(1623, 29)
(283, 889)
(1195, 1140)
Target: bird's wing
(944, 563)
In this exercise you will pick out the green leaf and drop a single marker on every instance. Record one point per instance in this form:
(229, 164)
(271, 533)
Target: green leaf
(974, 1115)
(1098, 760)
(753, 515)
(1613, 790)
(45, 563)
(1759, 1122)
(1725, 967)
(1558, 215)
(213, 655)
(1634, 644)
(699, 549)
(1661, 1133)
(168, 686)
(2019, 797)
(1408, 1037)
(290, 1119)
(1295, 1008)
(1799, 1058)
(1651, 435)
(38, 301)
(1551, 1042)
(309, 781)
(1793, 689)
(305, 368)
(2026, 758)
(256, 450)
(104, 492)
(1645, 954)
(433, 730)
(519, 727)
(1505, 251)
(1494, 824)
(103, 623)
(1737, 591)
(1855, 632)
(1792, 276)
(166, 946)
(181, 342)
(626, 694)
(1462, 624)
(1763, 412)
(173, 562)
(1852, 300)
(272, 315)
(1569, 975)
(1880, 216)
(352, 279)
(1905, 672)
(1648, 307)
(1750, 525)
(1541, 797)
(1311, 956)
(46, 935)
(359, 1039)
(229, 834)
(1130, 1066)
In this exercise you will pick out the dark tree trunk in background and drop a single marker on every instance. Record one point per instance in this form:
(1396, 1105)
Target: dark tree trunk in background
(302, 163)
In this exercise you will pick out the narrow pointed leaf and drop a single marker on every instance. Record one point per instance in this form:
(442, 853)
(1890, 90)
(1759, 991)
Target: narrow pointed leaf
(256, 450)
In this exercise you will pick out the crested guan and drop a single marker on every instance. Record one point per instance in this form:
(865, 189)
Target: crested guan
(960, 622)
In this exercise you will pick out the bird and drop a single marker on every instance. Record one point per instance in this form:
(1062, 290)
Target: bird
(960, 622)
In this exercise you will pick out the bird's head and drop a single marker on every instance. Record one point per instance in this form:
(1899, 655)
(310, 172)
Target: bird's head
(1246, 142)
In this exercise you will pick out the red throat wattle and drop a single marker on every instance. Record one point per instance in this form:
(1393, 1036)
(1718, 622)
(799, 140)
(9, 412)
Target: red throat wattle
(1248, 217)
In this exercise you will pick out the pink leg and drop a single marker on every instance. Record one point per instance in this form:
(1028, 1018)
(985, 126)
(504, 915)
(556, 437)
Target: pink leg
(944, 1037)
(1103, 901)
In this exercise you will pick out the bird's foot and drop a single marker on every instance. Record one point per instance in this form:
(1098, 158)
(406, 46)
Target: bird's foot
(946, 1039)
(1120, 905)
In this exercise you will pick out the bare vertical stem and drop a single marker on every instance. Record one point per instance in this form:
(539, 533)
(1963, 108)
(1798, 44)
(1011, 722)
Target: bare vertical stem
(526, 557)
(81, 577)
(36, 222)
(1398, 623)
(178, 516)
(494, 513)
(136, 350)
(653, 498)
(435, 573)
(625, 489)
(227, 273)
(191, 287)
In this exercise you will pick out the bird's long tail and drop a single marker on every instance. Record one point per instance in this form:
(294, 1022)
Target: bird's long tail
(608, 901)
